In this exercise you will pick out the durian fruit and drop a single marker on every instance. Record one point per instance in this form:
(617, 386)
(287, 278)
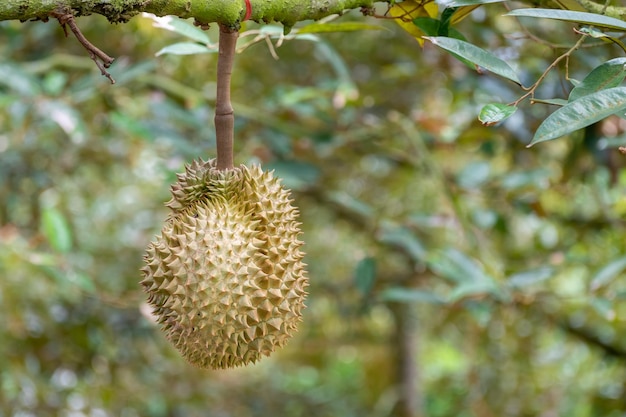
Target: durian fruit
(225, 277)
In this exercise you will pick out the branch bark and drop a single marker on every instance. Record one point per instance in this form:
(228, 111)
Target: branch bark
(224, 12)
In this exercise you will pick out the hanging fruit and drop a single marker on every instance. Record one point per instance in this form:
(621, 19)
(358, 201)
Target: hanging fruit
(225, 276)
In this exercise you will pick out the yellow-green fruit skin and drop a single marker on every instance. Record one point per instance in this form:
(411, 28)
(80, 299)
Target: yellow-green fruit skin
(225, 276)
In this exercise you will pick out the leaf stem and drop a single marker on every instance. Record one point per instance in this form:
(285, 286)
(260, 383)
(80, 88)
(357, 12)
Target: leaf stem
(224, 113)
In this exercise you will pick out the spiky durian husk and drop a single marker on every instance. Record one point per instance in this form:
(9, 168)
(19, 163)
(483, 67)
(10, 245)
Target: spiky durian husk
(225, 277)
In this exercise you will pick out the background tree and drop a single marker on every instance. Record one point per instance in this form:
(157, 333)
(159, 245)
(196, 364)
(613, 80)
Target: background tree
(454, 272)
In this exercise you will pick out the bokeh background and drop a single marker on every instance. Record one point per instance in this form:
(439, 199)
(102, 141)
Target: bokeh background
(453, 271)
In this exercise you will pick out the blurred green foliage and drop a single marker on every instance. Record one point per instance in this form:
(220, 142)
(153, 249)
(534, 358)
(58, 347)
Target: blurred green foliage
(510, 260)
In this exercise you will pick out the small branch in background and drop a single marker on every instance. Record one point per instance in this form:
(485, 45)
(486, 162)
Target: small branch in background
(405, 342)
(590, 336)
(101, 59)
(224, 113)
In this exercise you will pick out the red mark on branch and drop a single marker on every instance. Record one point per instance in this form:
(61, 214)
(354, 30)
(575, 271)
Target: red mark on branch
(248, 10)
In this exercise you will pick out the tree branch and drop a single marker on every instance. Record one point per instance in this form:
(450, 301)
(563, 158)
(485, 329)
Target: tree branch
(405, 343)
(102, 60)
(224, 12)
(611, 11)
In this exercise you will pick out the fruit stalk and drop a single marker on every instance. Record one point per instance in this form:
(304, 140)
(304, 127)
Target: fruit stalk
(224, 113)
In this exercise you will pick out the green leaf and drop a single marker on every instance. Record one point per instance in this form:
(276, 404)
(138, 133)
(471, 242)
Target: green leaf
(83, 281)
(185, 48)
(526, 278)
(174, 24)
(536, 178)
(278, 32)
(338, 27)
(404, 239)
(572, 16)
(469, 266)
(126, 74)
(273, 30)
(493, 113)
(54, 82)
(581, 113)
(409, 295)
(472, 289)
(365, 275)
(17, 80)
(473, 175)
(353, 207)
(56, 230)
(608, 273)
(457, 267)
(428, 25)
(475, 55)
(453, 33)
(603, 307)
(551, 101)
(608, 75)
(612, 142)
(595, 33)
(336, 61)
(446, 18)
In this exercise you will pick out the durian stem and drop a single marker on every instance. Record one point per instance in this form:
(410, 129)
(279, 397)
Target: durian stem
(224, 113)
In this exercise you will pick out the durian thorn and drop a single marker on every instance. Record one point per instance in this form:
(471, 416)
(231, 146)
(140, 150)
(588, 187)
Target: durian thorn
(224, 113)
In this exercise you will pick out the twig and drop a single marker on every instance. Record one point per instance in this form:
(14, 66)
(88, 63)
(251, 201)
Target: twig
(101, 59)
(224, 113)
(531, 90)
